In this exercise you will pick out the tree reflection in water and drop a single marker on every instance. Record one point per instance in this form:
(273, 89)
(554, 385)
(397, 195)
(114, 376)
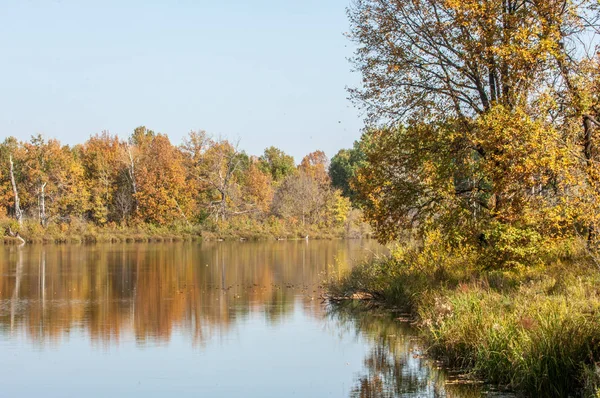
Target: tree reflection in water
(394, 366)
(146, 291)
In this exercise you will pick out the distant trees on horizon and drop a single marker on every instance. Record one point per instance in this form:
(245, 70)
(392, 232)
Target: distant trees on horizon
(147, 179)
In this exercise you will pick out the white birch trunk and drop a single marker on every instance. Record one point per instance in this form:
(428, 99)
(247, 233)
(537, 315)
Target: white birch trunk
(42, 204)
(18, 212)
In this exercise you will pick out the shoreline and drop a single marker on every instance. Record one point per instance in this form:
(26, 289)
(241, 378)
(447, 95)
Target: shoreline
(161, 238)
(537, 334)
(82, 231)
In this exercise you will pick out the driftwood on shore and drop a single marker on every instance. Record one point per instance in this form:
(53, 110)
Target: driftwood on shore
(362, 296)
(15, 235)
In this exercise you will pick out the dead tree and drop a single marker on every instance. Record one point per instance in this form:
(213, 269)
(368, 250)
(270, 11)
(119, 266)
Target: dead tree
(18, 211)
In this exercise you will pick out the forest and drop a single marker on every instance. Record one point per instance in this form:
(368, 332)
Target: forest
(146, 185)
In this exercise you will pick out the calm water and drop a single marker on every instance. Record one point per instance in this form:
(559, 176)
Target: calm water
(198, 319)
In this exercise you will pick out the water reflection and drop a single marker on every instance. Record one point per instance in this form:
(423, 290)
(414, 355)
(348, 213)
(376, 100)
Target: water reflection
(215, 319)
(150, 290)
(395, 365)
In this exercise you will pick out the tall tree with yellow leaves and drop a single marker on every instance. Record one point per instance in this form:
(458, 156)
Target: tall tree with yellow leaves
(162, 193)
(456, 94)
(100, 159)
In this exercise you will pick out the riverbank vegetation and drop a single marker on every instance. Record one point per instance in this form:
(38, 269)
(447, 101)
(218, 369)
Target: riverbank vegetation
(480, 161)
(535, 329)
(144, 188)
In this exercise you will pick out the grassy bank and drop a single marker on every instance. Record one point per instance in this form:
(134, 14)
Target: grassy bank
(533, 329)
(80, 231)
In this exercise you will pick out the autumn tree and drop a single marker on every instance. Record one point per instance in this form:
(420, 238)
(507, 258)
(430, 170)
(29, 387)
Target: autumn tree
(257, 190)
(456, 94)
(161, 191)
(193, 149)
(575, 103)
(9, 175)
(218, 166)
(145, 179)
(338, 208)
(53, 179)
(131, 155)
(100, 159)
(315, 164)
(424, 59)
(301, 197)
(69, 178)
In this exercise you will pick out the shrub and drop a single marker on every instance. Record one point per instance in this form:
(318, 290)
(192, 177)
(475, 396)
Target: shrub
(506, 246)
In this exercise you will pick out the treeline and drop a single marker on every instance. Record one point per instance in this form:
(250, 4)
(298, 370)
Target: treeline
(204, 183)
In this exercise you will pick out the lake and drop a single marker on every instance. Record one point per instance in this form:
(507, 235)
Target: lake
(213, 319)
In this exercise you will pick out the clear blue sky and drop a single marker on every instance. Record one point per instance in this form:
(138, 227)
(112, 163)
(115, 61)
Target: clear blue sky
(267, 72)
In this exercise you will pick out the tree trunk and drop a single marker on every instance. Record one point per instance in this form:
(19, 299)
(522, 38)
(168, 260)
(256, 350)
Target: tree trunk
(223, 209)
(587, 153)
(18, 212)
(42, 204)
(222, 206)
(131, 172)
(587, 140)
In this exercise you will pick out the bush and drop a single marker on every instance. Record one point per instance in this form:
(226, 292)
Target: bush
(506, 246)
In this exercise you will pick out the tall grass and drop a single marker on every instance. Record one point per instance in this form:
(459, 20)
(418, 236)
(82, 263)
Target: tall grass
(532, 339)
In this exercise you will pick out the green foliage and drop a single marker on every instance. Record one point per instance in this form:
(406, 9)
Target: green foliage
(277, 163)
(509, 246)
(342, 169)
(533, 339)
